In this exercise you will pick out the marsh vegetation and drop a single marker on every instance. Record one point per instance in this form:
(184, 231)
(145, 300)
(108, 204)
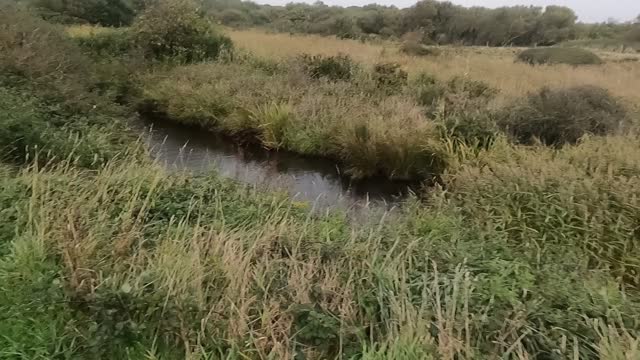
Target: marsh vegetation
(521, 243)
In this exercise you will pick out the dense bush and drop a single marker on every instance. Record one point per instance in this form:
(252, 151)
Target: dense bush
(103, 12)
(52, 100)
(31, 127)
(334, 68)
(40, 57)
(436, 21)
(459, 94)
(476, 129)
(560, 116)
(389, 77)
(551, 56)
(175, 30)
(107, 43)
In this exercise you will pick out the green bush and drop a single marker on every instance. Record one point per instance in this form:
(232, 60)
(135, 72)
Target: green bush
(107, 43)
(174, 30)
(457, 95)
(333, 68)
(30, 126)
(427, 90)
(477, 129)
(561, 116)
(389, 77)
(551, 56)
(50, 61)
(103, 12)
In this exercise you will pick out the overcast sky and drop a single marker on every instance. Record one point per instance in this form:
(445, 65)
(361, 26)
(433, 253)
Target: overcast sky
(587, 10)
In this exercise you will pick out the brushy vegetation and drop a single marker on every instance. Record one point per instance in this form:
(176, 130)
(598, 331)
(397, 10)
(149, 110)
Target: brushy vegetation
(175, 30)
(561, 55)
(333, 68)
(519, 251)
(51, 96)
(295, 112)
(101, 12)
(431, 21)
(558, 117)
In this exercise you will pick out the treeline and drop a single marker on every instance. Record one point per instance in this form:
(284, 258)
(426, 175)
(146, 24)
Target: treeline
(431, 21)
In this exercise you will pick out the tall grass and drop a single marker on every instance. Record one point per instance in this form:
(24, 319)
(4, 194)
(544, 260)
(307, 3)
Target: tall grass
(352, 122)
(494, 66)
(136, 261)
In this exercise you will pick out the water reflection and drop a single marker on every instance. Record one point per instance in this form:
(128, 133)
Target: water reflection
(318, 181)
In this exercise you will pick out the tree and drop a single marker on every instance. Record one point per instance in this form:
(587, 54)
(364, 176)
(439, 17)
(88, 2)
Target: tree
(557, 24)
(102, 12)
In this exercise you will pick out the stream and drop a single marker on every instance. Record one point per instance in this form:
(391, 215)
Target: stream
(318, 181)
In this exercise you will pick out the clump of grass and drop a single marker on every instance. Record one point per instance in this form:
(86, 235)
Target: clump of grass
(561, 55)
(453, 97)
(413, 48)
(333, 68)
(389, 77)
(275, 120)
(561, 116)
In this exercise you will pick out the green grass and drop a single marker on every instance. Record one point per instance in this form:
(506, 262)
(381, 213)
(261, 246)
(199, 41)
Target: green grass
(136, 260)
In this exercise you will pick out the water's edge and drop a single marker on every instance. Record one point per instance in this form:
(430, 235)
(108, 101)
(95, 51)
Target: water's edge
(316, 180)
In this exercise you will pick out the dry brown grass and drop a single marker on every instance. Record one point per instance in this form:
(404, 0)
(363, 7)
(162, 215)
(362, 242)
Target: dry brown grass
(496, 66)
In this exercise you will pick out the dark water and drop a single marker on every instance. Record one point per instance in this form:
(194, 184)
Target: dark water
(318, 181)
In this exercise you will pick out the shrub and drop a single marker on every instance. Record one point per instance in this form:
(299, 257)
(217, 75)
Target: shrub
(457, 95)
(561, 116)
(333, 68)
(29, 125)
(389, 77)
(427, 90)
(52, 67)
(551, 56)
(106, 43)
(103, 12)
(175, 30)
(477, 129)
(417, 49)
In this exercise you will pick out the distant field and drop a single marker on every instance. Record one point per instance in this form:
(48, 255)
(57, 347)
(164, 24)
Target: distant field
(496, 66)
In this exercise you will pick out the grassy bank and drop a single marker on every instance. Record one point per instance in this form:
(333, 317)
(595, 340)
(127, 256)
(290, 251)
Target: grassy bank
(530, 253)
(293, 112)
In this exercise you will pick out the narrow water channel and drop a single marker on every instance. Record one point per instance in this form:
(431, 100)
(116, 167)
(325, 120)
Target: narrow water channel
(318, 181)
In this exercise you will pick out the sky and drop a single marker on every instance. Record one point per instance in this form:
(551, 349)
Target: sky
(587, 10)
